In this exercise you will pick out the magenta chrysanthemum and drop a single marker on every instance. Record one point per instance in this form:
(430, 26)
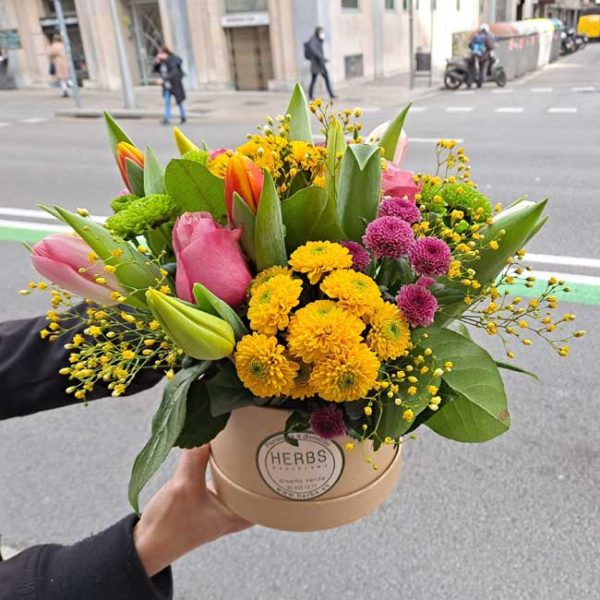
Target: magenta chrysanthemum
(418, 304)
(388, 237)
(400, 207)
(426, 281)
(328, 422)
(430, 256)
(360, 257)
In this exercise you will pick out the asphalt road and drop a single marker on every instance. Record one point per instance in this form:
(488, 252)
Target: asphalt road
(516, 518)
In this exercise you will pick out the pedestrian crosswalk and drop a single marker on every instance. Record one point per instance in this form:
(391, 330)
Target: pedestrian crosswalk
(496, 109)
(25, 121)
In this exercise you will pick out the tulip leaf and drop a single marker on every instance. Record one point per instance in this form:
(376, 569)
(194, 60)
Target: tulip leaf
(210, 303)
(167, 424)
(269, 240)
(475, 406)
(226, 391)
(300, 128)
(389, 140)
(134, 270)
(135, 176)
(244, 217)
(115, 133)
(195, 188)
(336, 146)
(359, 189)
(200, 426)
(154, 176)
(310, 215)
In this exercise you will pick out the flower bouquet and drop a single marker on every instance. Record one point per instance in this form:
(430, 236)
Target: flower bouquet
(309, 304)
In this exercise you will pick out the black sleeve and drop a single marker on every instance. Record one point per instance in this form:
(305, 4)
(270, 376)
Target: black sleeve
(104, 566)
(29, 371)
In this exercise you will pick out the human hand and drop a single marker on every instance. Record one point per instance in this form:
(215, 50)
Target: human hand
(184, 514)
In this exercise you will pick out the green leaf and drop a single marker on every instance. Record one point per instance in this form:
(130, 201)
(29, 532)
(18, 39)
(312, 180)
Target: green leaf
(226, 391)
(166, 426)
(195, 188)
(336, 145)
(296, 422)
(115, 133)
(135, 175)
(511, 367)
(300, 129)
(154, 177)
(476, 407)
(200, 427)
(210, 303)
(269, 242)
(310, 215)
(390, 138)
(244, 217)
(359, 189)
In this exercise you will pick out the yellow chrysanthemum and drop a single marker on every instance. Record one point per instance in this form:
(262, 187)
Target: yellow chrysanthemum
(390, 334)
(218, 165)
(346, 376)
(268, 274)
(271, 302)
(263, 367)
(322, 328)
(302, 387)
(354, 291)
(317, 258)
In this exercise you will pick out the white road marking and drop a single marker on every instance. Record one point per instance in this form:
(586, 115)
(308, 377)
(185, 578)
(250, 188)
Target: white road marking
(569, 277)
(541, 90)
(424, 140)
(561, 109)
(509, 109)
(572, 261)
(583, 88)
(459, 109)
(417, 109)
(503, 91)
(370, 109)
(29, 213)
(33, 120)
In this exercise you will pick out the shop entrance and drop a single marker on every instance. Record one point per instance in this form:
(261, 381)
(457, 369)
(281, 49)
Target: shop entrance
(250, 57)
(147, 35)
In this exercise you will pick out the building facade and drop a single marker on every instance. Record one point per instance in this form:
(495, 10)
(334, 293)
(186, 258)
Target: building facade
(236, 44)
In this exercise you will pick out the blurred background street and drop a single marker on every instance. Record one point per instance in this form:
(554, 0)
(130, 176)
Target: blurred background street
(515, 518)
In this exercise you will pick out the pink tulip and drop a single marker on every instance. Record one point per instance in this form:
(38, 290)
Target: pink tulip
(401, 145)
(399, 183)
(214, 152)
(209, 254)
(62, 259)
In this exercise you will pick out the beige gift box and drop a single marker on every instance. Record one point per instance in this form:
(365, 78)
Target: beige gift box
(316, 485)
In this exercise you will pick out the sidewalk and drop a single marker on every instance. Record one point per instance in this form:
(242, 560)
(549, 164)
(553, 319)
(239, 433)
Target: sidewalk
(236, 105)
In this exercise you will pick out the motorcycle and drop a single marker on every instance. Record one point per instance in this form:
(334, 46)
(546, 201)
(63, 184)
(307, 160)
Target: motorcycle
(567, 43)
(457, 72)
(579, 39)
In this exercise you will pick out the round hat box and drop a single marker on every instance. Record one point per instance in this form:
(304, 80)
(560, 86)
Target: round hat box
(315, 485)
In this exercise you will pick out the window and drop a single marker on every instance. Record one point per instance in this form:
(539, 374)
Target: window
(390, 4)
(242, 6)
(350, 4)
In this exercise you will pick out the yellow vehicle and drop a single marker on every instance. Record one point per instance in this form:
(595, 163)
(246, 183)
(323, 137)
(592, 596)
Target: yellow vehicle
(589, 25)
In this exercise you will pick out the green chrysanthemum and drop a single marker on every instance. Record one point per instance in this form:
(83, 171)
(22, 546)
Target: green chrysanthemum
(199, 156)
(140, 215)
(464, 197)
(121, 202)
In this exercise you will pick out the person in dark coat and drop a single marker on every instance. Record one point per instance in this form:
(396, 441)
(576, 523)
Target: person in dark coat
(481, 45)
(169, 67)
(314, 53)
(130, 560)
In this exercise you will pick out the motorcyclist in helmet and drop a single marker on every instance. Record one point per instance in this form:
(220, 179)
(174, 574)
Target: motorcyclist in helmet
(481, 45)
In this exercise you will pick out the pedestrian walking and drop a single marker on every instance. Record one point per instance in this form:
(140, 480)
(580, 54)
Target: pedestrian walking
(481, 44)
(59, 66)
(169, 68)
(313, 51)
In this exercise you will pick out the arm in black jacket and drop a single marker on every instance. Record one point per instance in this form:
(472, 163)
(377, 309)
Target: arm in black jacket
(103, 566)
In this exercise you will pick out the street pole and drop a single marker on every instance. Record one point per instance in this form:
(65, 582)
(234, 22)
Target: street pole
(431, 43)
(62, 27)
(126, 83)
(411, 46)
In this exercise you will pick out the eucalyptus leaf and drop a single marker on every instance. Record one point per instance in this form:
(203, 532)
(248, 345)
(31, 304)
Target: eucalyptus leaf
(195, 188)
(166, 426)
(269, 240)
(200, 427)
(300, 128)
(154, 176)
(359, 189)
(310, 215)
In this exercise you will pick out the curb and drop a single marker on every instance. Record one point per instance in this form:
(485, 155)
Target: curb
(120, 113)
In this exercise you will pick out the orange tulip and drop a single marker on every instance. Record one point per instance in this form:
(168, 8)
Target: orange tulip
(126, 152)
(245, 178)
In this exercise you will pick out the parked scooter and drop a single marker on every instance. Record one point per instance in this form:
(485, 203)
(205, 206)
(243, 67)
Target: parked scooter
(580, 40)
(457, 72)
(567, 43)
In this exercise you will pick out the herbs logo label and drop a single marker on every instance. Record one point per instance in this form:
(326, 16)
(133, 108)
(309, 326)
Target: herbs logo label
(301, 472)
